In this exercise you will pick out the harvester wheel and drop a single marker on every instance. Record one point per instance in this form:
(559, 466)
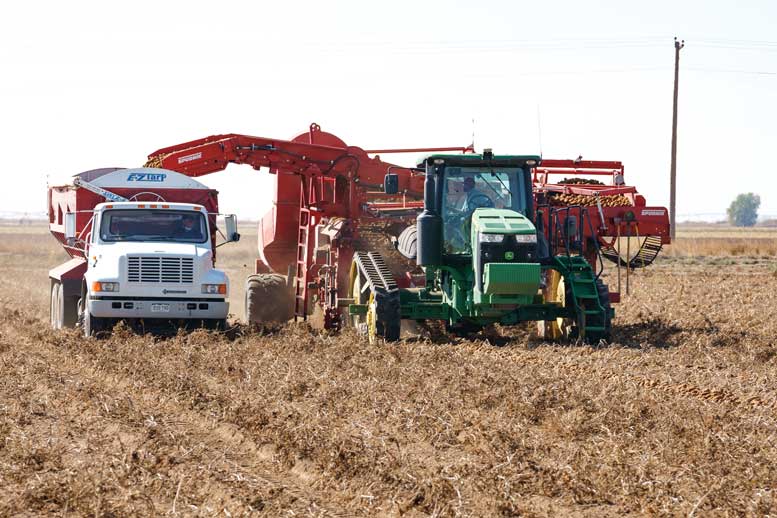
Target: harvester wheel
(556, 291)
(268, 299)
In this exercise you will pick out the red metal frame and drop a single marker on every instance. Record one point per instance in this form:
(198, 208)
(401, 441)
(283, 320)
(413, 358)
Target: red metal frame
(637, 220)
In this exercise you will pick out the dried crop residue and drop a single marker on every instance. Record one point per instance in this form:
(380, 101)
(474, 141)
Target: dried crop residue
(677, 417)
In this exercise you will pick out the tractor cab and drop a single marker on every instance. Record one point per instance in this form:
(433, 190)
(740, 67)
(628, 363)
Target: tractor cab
(476, 234)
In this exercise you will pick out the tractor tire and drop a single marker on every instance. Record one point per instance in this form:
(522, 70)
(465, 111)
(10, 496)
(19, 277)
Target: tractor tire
(268, 299)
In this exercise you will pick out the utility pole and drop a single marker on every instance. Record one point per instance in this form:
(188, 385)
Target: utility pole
(673, 175)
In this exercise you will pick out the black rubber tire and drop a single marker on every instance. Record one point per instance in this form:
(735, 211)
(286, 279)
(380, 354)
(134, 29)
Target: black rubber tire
(388, 324)
(407, 242)
(268, 299)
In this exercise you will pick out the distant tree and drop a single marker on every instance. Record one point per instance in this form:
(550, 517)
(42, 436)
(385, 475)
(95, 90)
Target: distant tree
(743, 211)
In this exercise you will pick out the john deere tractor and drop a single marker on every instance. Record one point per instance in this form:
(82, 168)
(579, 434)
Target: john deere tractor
(483, 259)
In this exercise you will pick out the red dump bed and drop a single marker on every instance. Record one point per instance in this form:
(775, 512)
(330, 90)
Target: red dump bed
(147, 185)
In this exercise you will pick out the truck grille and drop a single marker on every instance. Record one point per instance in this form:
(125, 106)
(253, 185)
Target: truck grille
(176, 270)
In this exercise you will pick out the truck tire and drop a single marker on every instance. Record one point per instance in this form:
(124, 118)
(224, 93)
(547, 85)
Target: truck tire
(93, 326)
(63, 310)
(68, 309)
(268, 299)
(54, 306)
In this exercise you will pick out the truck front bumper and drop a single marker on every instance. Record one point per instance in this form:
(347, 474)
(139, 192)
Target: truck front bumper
(130, 307)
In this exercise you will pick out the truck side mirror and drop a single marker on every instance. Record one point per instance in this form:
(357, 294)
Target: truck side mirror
(230, 222)
(391, 183)
(70, 227)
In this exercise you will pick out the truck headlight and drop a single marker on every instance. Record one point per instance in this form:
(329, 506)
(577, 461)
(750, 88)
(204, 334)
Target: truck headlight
(526, 238)
(214, 289)
(105, 286)
(491, 238)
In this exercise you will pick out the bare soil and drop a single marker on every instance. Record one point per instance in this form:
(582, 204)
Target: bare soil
(678, 416)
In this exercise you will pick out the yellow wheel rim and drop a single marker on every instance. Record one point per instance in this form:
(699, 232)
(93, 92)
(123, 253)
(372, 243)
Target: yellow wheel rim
(555, 291)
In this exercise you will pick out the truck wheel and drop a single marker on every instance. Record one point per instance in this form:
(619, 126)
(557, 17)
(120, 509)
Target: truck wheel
(54, 302)
(268, 299)
(68, 309)
(93, 326)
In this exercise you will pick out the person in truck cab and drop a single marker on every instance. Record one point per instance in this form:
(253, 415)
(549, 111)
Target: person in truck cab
(188, 230)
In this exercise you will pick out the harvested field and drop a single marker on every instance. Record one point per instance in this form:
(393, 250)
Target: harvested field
(677, 417)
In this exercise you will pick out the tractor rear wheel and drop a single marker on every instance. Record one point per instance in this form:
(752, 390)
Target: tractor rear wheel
(268, 299)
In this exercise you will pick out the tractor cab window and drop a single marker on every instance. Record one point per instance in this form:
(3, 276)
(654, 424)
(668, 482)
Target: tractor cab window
(153, 225)
(466, 189)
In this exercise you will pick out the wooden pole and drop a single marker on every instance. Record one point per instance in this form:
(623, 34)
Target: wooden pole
(673, 174)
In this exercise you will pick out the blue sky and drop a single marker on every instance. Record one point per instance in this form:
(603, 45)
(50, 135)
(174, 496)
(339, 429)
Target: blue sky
(93, 84)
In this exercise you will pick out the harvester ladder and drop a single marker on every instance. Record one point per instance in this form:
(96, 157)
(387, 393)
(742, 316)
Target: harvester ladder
(303, 265)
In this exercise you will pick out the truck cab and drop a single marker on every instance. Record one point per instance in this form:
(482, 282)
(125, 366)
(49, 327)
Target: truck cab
(152, 261)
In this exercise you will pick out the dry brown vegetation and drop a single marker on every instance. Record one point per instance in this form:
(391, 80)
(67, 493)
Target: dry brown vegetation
(677, 417)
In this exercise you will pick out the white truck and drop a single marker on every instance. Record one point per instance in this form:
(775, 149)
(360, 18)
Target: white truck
(142, 244)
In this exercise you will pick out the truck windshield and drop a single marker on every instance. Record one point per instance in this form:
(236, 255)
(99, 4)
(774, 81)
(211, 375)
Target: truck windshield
(153, 225)
(468, 188)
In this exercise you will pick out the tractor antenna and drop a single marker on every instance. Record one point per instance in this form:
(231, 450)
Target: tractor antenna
(473, 135)
(539, 127)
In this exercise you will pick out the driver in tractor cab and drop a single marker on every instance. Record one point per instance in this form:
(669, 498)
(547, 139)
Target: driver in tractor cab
(474, 198)
(458, 221)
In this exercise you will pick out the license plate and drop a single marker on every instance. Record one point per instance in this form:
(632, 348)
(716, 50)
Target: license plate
(160, 308)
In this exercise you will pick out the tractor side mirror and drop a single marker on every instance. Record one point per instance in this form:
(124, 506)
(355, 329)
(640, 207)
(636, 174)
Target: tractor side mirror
(230, 222)
(391, 183)
(70, 228)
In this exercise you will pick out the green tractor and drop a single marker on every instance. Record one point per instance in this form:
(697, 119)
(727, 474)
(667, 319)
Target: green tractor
(484, 259)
